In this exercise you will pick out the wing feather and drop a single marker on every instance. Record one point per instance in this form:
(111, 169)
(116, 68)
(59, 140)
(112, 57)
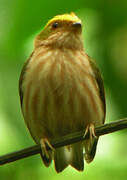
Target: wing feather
(22, 77)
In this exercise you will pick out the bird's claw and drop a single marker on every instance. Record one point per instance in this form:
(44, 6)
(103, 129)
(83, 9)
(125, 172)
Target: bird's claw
(90, 128)
(44, 142)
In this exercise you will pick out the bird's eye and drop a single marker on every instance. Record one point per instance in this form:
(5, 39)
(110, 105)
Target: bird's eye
(55, 25)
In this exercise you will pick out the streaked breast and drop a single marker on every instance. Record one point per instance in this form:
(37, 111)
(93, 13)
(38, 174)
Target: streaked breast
(60, 91)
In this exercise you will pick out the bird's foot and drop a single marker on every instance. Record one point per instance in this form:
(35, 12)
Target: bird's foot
(44, 142)
(91, 130)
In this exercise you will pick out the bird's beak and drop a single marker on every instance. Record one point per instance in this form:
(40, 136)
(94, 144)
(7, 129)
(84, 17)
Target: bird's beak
(77, 25)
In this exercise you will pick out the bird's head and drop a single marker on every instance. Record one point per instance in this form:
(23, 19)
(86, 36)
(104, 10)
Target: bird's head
(61, 31)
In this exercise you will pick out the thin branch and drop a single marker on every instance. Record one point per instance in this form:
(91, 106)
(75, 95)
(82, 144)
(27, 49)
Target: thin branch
(66, 140)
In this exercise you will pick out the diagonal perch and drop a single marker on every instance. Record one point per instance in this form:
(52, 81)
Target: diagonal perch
(65, 140)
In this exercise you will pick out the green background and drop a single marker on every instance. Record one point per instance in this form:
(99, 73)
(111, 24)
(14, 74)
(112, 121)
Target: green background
(105, 40)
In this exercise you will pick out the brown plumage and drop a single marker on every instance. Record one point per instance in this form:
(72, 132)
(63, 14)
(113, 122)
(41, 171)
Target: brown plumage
(61, 92)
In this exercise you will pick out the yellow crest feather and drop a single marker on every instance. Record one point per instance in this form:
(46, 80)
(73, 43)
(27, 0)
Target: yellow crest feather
(64, 17)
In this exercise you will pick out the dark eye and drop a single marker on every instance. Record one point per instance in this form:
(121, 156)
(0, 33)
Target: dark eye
(55, 25)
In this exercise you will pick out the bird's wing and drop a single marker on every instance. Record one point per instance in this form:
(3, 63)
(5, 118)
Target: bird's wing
(91, 145)
(100, 83)
(22, 77)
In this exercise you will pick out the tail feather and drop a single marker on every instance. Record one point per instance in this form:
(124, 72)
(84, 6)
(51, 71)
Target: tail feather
(90, 149)
(60, 159)
(72, 155)
(77, 159)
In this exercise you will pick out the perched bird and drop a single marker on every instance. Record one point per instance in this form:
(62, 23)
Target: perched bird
(62, 92)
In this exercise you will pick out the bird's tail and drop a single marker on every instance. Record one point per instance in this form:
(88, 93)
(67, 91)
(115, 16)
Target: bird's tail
(69, 155)
(72, 155)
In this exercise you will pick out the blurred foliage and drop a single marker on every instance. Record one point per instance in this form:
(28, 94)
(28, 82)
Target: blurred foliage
(105, 40)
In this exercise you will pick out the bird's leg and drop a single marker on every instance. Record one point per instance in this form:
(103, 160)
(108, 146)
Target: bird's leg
(90, 144)
(90, 128)
(45, 142)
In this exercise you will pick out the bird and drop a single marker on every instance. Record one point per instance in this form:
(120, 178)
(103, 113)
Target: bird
(62, 92)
